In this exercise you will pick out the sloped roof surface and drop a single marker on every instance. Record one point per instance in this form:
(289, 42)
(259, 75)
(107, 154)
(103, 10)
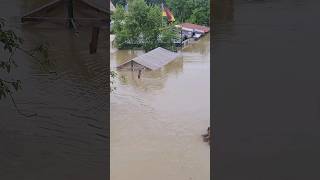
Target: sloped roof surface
(196, 27)
(155, 59)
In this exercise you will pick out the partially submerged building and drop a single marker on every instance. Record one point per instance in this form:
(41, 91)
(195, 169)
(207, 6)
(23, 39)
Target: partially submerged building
(74, 12)
(194, 28)
(152, 60)
(189, 30)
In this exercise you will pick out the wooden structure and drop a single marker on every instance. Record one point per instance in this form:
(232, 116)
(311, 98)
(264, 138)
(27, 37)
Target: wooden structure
(91, 13)
(194, 28)
(73, 12)
(152, 60)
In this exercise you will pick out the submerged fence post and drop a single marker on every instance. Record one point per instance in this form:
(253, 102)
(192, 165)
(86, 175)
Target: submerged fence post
(94, 40)
(70, 14)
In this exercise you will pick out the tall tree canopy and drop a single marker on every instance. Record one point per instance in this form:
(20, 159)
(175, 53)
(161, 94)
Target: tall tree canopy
(141, 25)
(193, 11)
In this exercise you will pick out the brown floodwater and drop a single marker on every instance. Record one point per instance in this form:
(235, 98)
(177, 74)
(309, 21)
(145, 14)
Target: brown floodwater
(157, 121)
(266, 89)
(67, 140)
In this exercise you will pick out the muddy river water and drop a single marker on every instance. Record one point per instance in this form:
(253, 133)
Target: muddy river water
(67, 140)
(156, 121)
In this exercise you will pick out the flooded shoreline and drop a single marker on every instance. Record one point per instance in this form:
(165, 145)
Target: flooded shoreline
(157, 121)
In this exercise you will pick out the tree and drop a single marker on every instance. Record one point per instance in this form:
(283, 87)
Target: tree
(142, 27)
(168, 38)
(119, 19)
(182, 9)
(200, 13)
(10, 43)
(194, 11)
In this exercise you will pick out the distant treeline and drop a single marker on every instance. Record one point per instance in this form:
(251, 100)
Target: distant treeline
(193, 11)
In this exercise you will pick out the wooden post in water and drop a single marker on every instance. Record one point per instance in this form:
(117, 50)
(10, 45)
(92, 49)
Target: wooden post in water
(70, 14)
(94, 40)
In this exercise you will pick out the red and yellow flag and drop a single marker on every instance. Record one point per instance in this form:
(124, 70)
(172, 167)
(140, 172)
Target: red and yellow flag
(167, 13)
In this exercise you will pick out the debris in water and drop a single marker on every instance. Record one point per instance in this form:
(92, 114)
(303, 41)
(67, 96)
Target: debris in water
(206, 137)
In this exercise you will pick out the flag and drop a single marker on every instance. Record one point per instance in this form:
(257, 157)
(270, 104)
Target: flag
(162, 8)
(167, 13)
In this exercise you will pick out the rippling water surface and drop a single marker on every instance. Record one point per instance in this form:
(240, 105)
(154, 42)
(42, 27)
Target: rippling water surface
(266, 103)
(157, 121)
(67, 139)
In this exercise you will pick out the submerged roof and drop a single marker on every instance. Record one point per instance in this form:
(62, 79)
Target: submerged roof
(154, 59)
(196, 27)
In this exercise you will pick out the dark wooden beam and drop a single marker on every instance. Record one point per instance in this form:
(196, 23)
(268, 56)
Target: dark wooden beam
(94, 40)
(71, 15)
(87, 3)
(42, 9)
(37, 13)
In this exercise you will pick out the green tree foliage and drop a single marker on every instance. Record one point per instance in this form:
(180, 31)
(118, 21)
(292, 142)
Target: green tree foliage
(10, 43)
(201, 12)
(119, 19)
(168, 36)
(194, 11)
(182, 9)
(140, 26)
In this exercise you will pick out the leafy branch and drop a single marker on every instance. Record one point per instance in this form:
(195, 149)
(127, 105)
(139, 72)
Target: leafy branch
(11, 43)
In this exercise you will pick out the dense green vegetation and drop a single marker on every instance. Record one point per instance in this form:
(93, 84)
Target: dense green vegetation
(193, 11)
(123, 2)
(142, 26)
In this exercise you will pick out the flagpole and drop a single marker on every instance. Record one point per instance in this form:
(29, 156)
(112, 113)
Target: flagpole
(162, 9)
